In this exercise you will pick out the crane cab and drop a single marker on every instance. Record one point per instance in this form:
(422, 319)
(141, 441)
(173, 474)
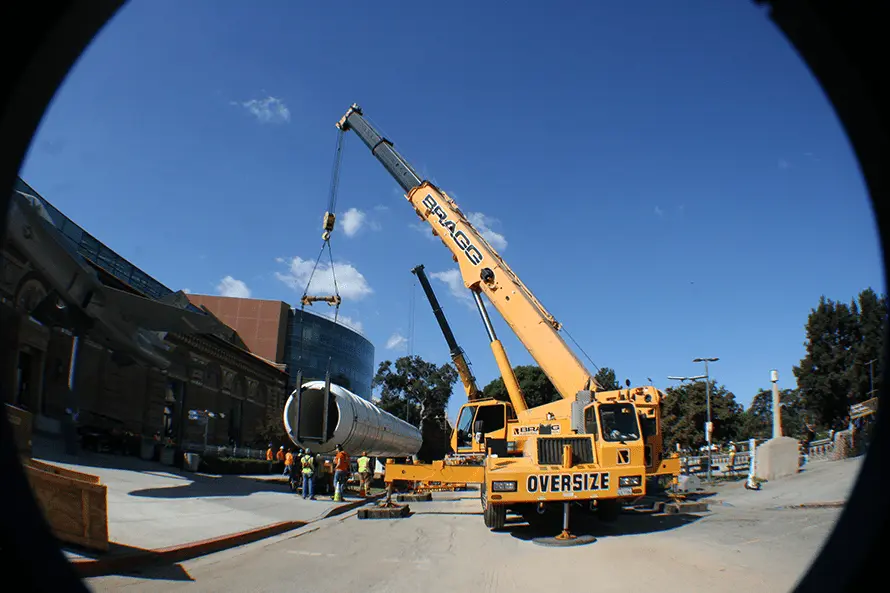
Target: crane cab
(480, 424)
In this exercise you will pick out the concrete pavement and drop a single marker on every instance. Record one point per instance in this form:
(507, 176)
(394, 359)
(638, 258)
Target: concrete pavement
(154, 506)
(750, 542)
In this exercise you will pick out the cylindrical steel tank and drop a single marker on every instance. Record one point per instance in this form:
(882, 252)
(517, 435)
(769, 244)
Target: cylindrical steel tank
(353, 422)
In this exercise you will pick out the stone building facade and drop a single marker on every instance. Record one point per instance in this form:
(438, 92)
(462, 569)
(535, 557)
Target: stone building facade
(213, 372)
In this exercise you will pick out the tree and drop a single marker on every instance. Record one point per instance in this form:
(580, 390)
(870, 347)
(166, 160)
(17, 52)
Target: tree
(418, 391)
(606, 379)
(869, 344)
(830, 376)
(535, 385)
(684, 414)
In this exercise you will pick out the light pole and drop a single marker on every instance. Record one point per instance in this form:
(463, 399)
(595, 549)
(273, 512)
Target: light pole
(708, 391)
(707, 379)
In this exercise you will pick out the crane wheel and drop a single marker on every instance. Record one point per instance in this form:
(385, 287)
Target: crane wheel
(495, 516)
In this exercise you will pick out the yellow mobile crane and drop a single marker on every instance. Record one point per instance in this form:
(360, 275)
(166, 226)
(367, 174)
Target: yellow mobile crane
(590, 447)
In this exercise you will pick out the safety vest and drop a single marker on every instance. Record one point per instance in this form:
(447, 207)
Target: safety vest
(364, 464)
(308, 462)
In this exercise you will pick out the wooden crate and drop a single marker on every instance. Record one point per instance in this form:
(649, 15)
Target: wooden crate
(75, 504)
(22, 423)
(61, 471)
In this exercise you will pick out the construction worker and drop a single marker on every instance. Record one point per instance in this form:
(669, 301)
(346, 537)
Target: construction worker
(341, 472)
(364, 471)
(289, 462)
(270, 457)
(308, 463)
(280, 455)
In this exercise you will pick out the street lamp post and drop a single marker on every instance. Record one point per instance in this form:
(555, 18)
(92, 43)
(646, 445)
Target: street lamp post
(708, 391)
(707, 379)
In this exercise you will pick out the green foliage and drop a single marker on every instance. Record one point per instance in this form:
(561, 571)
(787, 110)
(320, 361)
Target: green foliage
(606, 379)
(684, 414)
(841, 340)
(535, 385)
(418, 391)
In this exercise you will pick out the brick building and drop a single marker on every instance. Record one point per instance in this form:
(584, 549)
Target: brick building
(301, 340)
(212, 372)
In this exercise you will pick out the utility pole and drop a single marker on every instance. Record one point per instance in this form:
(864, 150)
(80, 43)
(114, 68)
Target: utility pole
(708, 426)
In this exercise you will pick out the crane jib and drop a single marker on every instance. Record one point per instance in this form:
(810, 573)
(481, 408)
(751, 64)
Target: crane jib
(461, 239)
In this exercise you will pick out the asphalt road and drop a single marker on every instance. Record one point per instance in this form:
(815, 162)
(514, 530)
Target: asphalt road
(445, 547)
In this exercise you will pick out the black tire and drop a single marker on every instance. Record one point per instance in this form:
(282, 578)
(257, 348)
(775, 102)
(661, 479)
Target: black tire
(608, 510)
(495, 516)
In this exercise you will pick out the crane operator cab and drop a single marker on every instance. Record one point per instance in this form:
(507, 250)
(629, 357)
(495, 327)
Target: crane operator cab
(480, 423)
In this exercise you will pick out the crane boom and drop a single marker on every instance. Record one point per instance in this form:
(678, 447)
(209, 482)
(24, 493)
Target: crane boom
(457, 354)
(481, 267)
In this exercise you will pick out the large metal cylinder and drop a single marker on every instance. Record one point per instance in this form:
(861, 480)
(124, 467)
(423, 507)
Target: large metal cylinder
(353, 422)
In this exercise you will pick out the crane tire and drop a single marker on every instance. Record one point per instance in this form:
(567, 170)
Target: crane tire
(495, 516)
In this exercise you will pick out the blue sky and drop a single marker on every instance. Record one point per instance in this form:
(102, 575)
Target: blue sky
(669, 187)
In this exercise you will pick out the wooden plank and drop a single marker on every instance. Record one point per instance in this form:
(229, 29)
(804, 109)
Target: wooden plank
(21, 422)
(76, 510)
(61, 471)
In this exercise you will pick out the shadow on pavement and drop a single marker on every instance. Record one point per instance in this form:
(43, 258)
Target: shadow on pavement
(148, 563)
(585, 523)
(203, 486)
(163, 572)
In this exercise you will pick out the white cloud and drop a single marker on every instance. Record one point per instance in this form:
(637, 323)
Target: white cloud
(350, 281)
(230, 287)
(396, 341)
(381, 208)
(268, 110)
(455, 283)
(659, 211)
(483, 224)
(352, 221)
(187, 290)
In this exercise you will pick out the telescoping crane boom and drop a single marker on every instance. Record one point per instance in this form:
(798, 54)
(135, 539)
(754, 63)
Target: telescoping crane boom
(482, 269)
(457, 354)
(591, 446)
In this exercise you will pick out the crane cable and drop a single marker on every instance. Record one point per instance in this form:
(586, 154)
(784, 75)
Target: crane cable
(328, 226)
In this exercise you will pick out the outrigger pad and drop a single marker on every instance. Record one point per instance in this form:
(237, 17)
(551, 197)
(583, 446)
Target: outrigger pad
(554, 542)
(425, 497)
(384, 512)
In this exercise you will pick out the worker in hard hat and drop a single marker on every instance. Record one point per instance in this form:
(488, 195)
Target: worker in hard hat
(280, 455)
(364, 472)
(289, 463)
(308, 463)
(341, 471)
(270, 457)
